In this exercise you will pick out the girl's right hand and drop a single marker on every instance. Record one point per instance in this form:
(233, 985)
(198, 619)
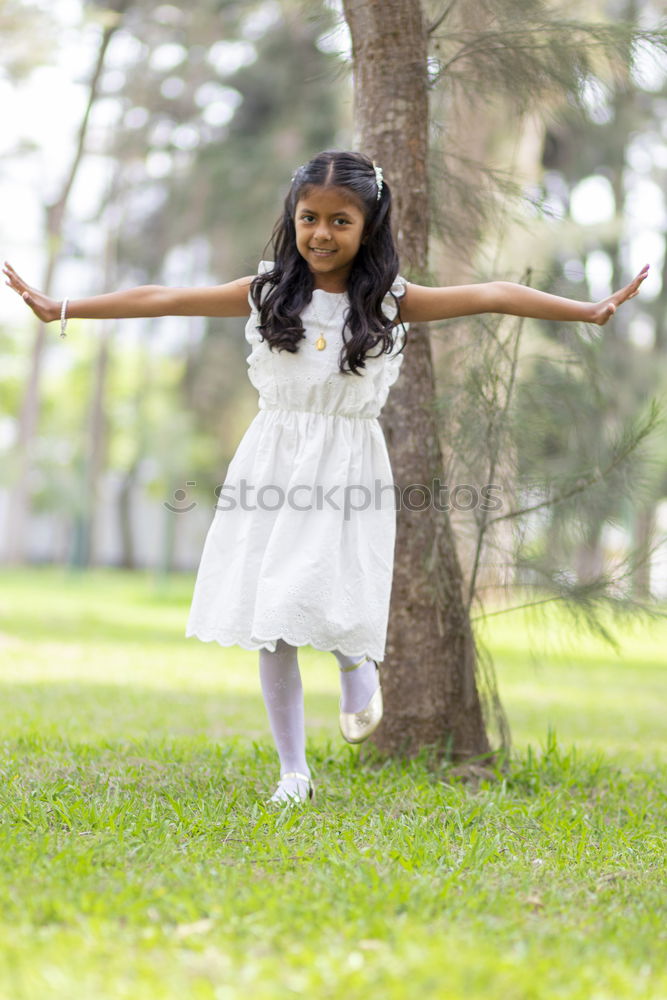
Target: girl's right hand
(45, 308)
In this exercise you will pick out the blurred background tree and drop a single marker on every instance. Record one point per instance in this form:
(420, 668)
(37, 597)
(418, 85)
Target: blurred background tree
(194, 123)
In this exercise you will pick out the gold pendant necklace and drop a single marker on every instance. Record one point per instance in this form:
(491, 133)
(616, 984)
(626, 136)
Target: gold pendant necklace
(321, 342)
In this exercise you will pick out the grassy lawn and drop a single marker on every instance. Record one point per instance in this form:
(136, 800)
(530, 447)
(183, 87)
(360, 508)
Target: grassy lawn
(137, 859)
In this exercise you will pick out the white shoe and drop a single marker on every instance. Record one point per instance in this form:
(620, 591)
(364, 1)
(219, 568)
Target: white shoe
(282, 794)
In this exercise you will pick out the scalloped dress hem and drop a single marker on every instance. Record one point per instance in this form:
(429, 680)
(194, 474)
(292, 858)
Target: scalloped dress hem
(204, 636)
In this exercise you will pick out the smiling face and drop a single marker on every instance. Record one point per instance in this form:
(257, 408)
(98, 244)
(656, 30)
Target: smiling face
(329, 229)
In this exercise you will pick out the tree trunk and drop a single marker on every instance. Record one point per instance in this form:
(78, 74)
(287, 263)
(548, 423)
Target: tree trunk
(428, 676)
(644, 528)
(476, 134)
(589, 558)
(125, 500)
(97, 440)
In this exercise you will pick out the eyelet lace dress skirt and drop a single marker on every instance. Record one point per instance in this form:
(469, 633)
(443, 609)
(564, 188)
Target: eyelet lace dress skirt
(301, 546)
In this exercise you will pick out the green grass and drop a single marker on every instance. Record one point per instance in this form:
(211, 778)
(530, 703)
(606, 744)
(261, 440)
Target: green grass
(137, 859)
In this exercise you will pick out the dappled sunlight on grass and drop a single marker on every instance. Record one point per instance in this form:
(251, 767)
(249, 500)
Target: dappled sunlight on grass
(114, 642)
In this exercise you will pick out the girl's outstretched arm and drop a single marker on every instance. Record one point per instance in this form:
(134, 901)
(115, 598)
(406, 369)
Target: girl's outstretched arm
(421, 304)
(230, 299)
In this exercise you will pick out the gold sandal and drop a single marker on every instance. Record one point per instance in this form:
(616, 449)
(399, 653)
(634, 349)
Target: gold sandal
(358, 726)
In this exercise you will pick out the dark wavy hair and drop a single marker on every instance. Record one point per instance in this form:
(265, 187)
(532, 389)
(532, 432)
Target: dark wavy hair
(281, 294)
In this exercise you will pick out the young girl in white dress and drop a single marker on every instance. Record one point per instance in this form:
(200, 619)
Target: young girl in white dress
(300, 550)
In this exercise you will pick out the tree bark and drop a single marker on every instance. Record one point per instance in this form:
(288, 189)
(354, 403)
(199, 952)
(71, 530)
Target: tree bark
(428, 676)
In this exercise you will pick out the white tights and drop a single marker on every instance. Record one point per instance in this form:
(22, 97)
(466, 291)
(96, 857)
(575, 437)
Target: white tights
(283, 696)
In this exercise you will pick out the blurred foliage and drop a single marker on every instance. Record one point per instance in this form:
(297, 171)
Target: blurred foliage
(491, 64)
(582, 435)
(259, 65)
(27, 31)
(203, 114)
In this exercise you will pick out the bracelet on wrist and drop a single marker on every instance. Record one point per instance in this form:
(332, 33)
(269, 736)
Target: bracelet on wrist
(63, 318)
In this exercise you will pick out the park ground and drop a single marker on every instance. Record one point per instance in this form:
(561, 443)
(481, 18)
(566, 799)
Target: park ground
(138, 859)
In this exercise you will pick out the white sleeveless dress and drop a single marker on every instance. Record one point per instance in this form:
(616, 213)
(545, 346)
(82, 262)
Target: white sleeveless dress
(301, 546)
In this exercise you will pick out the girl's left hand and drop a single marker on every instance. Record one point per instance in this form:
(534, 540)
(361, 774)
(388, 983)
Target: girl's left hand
(604, 310)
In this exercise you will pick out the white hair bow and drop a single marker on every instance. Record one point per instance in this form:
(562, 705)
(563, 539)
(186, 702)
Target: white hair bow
(379, 178)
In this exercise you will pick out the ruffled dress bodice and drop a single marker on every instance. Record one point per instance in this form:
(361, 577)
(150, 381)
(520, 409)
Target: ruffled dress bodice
(311, 379)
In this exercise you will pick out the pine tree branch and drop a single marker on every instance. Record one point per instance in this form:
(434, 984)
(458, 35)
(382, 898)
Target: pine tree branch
(638, 605)
(440, 20)
(494, 432)
(567, 44)
(594, 477)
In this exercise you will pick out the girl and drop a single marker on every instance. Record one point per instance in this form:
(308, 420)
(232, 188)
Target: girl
(300, 550)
